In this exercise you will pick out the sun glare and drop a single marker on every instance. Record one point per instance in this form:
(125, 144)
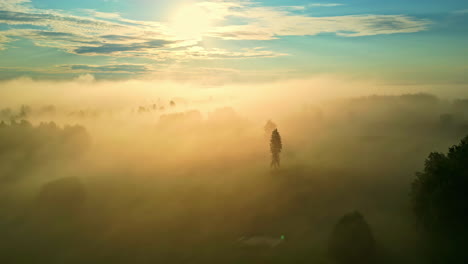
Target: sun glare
(191, 21)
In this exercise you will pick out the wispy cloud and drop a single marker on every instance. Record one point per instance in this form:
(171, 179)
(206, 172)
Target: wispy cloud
(3, 39)
(111, 68)
(461, 12)
(15, 5)
(325, 4)
(116, 48)
(94, 33)
(273, 22)
(106, 15)
(108, 34)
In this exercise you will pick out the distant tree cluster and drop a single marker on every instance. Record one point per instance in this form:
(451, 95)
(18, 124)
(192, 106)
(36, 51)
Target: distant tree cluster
(9, 114)
(161, 107)
(25, 112)
(24, 146)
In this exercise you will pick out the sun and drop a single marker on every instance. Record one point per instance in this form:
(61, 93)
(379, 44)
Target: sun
(191, 21)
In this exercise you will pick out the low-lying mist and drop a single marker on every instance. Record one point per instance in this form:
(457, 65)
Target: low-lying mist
(159, 172)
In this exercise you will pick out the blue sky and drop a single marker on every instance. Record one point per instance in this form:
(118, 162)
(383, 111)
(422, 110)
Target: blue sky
(418, 41)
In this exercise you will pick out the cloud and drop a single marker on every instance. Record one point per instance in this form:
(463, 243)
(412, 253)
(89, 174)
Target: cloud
(115, 48)
(108, 34)
(82, 34)
(18, 5)
(461, 12)
(3, 39)
(197, 52)
(266, 23)
(113, 68)
(94, 33)
(122, 70)
(105, 15)
(325, 5)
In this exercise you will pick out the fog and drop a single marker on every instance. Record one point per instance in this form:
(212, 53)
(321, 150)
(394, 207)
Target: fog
(144, 171)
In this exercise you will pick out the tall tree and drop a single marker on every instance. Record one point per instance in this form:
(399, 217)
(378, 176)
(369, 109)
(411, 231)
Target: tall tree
(275, 147)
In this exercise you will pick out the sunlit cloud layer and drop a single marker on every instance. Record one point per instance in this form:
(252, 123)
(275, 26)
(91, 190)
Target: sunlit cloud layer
(109, 34)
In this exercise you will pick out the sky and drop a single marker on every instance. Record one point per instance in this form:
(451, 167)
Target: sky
(399, 41)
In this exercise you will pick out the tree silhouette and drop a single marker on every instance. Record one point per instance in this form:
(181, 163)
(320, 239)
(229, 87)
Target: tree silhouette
(439, 197)
(275, 147)
(62, 197)
(352, 241)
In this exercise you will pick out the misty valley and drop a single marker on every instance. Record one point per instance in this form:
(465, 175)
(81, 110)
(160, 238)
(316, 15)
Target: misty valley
(233, 132)
(351, 180)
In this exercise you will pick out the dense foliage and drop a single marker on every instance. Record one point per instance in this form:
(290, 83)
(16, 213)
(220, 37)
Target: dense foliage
(439, 196)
